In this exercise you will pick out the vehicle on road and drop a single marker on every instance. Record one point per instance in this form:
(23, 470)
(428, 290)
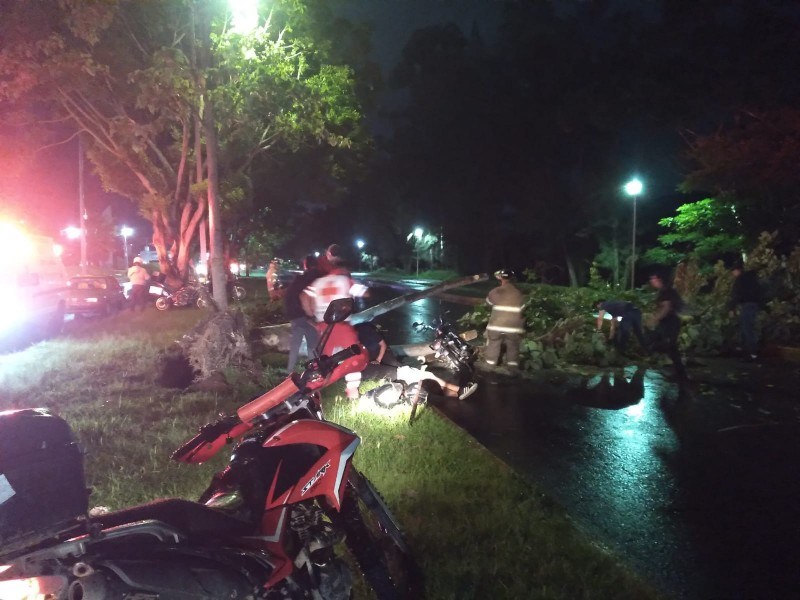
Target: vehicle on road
(94, 295)
(33, 287)
(268, 526)
(190, 294)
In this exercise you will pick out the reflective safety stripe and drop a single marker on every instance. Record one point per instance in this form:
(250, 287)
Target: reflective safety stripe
(515, 309)
(500, 329)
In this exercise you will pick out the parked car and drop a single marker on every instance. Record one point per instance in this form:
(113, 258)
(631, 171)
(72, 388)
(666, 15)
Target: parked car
(94, 294)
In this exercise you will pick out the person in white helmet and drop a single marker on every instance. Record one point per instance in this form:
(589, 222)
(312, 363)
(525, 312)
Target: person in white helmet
(506, 323)
(138, 276)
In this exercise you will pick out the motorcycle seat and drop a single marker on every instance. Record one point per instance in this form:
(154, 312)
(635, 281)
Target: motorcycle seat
(192, 518)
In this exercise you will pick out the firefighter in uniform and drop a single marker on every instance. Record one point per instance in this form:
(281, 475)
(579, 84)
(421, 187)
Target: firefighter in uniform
(335, 283)
(506, 323)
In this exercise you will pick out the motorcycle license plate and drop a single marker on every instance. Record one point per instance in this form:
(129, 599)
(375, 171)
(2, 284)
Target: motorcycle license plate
(154, 289)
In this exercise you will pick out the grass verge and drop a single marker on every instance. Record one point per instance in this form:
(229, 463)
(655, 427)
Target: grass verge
(478, 530)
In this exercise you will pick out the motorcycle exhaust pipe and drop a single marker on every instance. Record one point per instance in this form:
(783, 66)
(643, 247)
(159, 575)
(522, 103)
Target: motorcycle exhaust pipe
(94, 585)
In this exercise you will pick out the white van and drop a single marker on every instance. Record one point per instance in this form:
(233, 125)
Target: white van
(33, 285)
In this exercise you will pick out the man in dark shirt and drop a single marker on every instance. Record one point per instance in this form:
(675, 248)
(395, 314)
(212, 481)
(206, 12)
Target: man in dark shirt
(302, 324)
(625, 317)
(668, 323)
(746, 296)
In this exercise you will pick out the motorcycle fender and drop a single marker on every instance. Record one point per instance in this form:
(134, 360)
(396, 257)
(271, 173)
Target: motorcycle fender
(327, 477)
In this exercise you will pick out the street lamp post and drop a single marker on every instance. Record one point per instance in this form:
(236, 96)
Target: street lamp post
(125, 232)
(418, 237)
(633, 188)
(360, 246)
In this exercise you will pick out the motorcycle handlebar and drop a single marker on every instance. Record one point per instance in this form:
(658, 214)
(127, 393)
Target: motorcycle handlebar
(332, 361)
(213, 436)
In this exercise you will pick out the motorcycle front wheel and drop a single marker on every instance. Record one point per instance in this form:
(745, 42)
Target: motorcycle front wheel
(162, 303)
(377, 544)
(239, 292)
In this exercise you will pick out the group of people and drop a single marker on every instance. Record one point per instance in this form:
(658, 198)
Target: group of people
(324, 279)
(626, 318)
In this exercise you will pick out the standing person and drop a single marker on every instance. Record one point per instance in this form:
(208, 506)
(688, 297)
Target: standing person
(668, 323)
(746, 296)
(334, 283)
(138, 276)
(272, 280)
(625, 317)
(506, 323)
(302, 324)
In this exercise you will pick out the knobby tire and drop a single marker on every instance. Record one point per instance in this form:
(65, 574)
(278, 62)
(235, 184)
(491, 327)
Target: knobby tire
(378, 545)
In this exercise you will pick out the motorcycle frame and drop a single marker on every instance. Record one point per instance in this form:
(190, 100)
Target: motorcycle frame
(325, 480)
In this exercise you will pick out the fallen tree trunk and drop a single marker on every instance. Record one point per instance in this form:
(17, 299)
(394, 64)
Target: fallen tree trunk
(384, 307)
(276, 337)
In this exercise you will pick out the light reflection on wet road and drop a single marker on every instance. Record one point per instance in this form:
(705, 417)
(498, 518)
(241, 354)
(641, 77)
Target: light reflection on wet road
(697, 489)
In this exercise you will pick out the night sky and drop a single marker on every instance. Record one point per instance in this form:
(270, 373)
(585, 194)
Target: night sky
(647, 141)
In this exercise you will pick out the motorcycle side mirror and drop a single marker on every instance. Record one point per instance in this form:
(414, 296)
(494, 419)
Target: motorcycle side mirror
(338, 310)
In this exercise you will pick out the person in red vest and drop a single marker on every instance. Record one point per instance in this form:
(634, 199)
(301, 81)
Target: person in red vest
(335, 283)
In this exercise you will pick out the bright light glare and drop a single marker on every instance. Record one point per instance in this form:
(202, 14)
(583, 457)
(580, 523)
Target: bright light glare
(633, 187)
(14, 244)
(234, 267)
(72, 232)
(245, 15)
(201, 269)
(126, 231)
(360, 244)
(418, 233)
(33, 588)
(12, 311)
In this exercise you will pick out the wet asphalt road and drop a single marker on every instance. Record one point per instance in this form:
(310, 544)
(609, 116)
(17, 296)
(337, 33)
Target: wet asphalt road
(697, 489)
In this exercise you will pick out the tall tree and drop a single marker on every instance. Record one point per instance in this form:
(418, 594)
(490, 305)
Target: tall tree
(150, 93)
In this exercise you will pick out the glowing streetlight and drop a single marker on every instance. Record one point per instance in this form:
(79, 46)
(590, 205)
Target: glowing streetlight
(417, 233)
(72, 232)
(125, 232)
(633, 188)
(360, 245)
(245, 15)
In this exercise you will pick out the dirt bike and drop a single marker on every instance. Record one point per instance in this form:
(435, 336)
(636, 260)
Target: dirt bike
(267, 527)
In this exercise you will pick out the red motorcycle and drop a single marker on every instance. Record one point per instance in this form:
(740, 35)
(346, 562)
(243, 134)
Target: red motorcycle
(267, 527)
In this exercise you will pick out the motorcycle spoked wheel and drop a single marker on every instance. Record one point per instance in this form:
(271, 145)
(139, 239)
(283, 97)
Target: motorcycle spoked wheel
(162, 303)
(377, 544)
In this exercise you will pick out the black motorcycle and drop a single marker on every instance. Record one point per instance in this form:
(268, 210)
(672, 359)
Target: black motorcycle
(187, 295)
(452, 349)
